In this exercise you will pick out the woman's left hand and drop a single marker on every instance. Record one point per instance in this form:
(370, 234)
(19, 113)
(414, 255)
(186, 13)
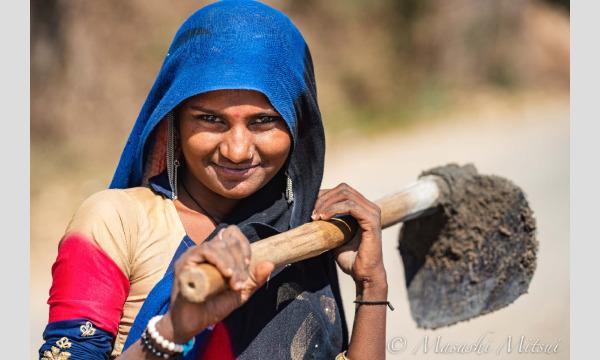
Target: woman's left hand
(362, 256)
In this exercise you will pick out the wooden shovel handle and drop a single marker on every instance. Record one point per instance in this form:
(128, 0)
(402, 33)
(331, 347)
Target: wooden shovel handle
(197, 282)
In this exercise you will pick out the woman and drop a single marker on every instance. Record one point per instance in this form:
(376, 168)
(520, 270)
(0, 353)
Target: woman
(228, 149)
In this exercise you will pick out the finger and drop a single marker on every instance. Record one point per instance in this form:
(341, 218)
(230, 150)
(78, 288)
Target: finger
(327, 194)
(345, 195)
(191, 255)
(341, 192)
(238, 246)
(348, 192)
(367, 220)
(240, 241)
(321, 193)
(217, 255)
(258, 276)
(246, 251)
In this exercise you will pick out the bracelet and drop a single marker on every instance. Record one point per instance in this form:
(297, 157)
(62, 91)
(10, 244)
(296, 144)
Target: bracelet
(166, 344)
(362, 302)
(148, 346)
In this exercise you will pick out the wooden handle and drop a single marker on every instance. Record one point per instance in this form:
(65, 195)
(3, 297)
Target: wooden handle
(197, 282)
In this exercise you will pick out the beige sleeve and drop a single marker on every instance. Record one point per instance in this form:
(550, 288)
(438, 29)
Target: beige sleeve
(110, 218)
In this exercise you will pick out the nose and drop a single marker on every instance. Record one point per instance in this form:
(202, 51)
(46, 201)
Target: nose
(237, 145)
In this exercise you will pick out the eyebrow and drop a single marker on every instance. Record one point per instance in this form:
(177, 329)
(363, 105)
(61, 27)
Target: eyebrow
(269, 112)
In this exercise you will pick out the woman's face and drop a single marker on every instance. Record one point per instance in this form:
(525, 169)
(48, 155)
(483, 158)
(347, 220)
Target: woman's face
(233, 141)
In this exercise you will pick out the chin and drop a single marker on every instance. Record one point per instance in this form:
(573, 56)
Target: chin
(236, 191)
(235, 195)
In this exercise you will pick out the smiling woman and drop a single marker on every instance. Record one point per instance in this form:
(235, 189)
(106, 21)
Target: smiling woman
(233, 142)
(226, 151)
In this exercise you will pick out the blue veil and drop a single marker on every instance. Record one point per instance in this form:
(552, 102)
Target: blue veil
(247, 45)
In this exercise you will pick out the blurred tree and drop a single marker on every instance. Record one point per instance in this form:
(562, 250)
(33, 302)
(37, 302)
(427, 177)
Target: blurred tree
(47, 41)
(565, 4)
(376, 61)
(47, 51)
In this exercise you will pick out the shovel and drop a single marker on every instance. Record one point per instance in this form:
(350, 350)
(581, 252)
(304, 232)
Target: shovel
(467, 245)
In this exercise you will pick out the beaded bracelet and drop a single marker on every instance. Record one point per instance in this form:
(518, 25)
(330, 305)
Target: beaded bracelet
(363, 302)
(148, 345)
(166, 344)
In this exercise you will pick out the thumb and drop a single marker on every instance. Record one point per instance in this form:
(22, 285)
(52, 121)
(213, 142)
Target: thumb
(261, 272)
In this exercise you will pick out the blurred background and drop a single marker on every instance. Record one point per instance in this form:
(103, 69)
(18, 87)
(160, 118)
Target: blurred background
(404, 85)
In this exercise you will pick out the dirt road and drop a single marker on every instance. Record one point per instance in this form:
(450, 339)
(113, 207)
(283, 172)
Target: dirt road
(529, 145)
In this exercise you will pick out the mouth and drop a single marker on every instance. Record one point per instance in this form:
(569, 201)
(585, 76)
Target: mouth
(237, 172)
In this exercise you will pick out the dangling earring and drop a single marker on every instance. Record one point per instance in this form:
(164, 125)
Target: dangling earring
(172, 162)
(289, 189)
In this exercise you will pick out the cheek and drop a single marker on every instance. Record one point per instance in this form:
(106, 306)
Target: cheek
(274, 148)
(198, 146)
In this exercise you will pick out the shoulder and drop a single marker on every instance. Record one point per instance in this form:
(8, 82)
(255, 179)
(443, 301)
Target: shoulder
(120, 205)
(110, 199)
(113, 219)
(118, 199)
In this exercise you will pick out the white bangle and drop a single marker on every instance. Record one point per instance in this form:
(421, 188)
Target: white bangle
(166, 344)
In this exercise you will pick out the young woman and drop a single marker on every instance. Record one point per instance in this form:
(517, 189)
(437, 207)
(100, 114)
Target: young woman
(228, 149)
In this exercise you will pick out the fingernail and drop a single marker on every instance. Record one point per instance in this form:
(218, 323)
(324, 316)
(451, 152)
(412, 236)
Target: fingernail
(229, 271)
(247, 261)
(239, 285)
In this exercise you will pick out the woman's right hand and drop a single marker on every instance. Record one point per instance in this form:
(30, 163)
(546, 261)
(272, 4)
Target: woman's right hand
(230, 253)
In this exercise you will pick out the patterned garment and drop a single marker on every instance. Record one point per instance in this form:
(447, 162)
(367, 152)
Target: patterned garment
(114, 267)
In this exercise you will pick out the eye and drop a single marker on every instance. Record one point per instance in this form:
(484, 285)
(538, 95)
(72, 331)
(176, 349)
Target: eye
(212, 119)
(266, 119)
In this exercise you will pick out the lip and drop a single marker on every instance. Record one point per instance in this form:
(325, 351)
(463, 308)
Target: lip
(239, 173)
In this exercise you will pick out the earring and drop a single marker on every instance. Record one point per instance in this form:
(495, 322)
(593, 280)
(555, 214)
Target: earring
(172, 162)
(289, 189)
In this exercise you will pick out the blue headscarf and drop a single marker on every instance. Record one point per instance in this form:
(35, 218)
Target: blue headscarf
(248, 45)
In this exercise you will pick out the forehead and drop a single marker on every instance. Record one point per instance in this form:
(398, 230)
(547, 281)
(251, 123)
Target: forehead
(224, 99)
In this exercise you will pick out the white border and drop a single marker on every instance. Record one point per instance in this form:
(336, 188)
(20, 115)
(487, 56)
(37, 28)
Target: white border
(585, 179)
(14, 215)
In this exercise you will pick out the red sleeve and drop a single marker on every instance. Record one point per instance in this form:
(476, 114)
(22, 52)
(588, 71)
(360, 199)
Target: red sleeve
(218, 345)
(88, 284)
